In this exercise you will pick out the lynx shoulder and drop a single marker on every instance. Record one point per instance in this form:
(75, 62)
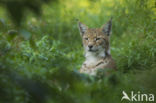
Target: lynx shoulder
(96, 43)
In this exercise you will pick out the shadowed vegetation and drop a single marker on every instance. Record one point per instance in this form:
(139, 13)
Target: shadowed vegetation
(40, 58)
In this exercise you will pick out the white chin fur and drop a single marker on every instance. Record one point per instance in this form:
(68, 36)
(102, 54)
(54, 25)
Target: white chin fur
(93, 57)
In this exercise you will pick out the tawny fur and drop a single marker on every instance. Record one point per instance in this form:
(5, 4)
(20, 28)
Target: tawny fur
(96, 44)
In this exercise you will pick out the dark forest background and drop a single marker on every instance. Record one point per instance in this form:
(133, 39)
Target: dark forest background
(41, 50)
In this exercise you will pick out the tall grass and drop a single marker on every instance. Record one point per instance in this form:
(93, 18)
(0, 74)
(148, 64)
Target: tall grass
(49, 49)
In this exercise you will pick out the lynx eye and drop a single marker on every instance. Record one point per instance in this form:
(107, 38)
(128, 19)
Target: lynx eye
(97, 38)
(86, 38)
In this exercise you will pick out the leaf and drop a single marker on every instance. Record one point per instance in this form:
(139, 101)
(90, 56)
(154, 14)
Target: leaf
(25, 34)
(12, 34)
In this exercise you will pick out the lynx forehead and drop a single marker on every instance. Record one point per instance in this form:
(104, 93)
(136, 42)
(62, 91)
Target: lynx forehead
(94, 38)
(97, 48)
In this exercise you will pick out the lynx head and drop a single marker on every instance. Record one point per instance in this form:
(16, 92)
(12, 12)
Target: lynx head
(96, 40)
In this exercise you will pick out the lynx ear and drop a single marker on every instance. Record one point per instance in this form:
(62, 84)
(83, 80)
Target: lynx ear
(83, 28)
(107, 27)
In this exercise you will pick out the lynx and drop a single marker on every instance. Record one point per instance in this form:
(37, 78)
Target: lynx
(96, 43)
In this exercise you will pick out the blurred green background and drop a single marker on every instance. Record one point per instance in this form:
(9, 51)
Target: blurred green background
(41, 50)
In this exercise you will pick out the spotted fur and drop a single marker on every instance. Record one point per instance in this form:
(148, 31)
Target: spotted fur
(96, 44)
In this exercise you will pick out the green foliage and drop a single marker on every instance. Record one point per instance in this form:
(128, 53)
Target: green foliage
(16, 8)
(39, 62)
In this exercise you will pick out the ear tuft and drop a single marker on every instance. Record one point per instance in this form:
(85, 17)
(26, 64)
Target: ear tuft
(107, 27)
(82, 27)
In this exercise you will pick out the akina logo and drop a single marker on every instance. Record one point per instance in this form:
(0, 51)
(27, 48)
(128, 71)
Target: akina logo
(137, 96)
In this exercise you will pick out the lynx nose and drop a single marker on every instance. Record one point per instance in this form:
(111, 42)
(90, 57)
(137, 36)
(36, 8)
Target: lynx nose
(90, 46)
